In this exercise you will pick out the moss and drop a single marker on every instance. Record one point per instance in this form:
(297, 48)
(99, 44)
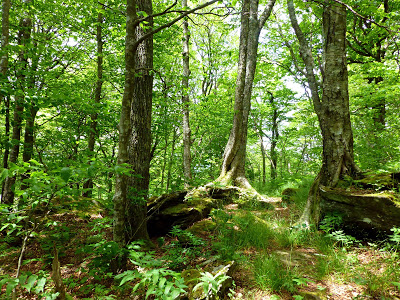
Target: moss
(202, 227)
(377, 181)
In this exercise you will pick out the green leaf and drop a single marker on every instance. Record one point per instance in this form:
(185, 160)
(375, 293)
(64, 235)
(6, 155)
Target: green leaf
(156, 276)
(128, 277)
(150, 291)
(12, 283)
(3, 175)
(396, 284)
(162, 282)
(65, 173)
(91, 171)
(40, 285)
(30, 282)
(168, 287)
(175, 294)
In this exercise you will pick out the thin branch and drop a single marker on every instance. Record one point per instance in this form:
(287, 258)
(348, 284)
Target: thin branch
(169, 24)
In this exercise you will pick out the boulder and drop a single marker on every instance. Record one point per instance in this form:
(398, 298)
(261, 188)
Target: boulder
(371, 215)
(185, 208)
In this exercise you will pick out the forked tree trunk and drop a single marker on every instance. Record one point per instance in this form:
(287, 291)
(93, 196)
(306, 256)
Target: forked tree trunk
(233, 165)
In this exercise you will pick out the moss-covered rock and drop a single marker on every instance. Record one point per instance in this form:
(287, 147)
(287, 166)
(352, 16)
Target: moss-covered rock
(185, 208)
(381, 181)
(202, 227)
(363, 214)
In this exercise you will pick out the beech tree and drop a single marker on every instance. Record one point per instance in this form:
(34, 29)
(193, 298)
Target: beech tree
(134, 151)
(233, 165)
(187, 165)
(332, 107)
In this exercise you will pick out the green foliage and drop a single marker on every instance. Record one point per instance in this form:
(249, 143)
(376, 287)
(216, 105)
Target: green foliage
(210, 283)
(150, 277)
(271, 274)
(31, 283)
(237, 232)
(180, 252)
(331, 224)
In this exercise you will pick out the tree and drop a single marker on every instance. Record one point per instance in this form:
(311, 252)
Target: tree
(233, 165)
(24, 36)
(5, 36)
(134, 149)
(186, 102)
(333, 107)
(97, 97)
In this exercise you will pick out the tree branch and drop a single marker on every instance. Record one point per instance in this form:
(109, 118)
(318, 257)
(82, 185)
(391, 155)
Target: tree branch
(169, 24)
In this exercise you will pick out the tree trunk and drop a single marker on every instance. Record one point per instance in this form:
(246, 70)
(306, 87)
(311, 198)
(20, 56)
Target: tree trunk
(274, 139)
(7, 133)
(119, 199)
(186, 103)
(88, 185)
(24, 35)
(263, 160)
(334, 113)
(171, 160)
(140, 138)
(233, 166)
(333, 108)
(5, 36)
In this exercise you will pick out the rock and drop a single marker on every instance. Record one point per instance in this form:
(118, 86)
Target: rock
(383, 181)
(185, 208)
(202, 227)
(363, 215)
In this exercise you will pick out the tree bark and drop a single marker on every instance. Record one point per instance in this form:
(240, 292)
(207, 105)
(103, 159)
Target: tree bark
(24, 35)
(186, 102)
(333, 107)
(140, 136)
(233, 166)
(88, 185)
(274, 138)
(119, 199)
(5, 36)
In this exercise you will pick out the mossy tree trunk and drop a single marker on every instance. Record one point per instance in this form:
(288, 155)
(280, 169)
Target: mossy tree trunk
(233, 165)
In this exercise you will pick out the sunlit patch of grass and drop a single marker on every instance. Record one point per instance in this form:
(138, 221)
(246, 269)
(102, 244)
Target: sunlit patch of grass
(271, 274)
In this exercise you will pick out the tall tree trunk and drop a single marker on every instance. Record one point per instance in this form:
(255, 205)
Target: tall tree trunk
(263, 160)
(233, 166)
(88, 185)
(5, 36)
(186, 102)
(333, 108)
(120, 199)
(140, 138)
(171, 160)
(274, 138)
(7, 133)
(24, 35)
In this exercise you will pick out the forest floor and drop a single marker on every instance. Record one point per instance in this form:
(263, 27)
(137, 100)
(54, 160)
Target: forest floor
(274, 260)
